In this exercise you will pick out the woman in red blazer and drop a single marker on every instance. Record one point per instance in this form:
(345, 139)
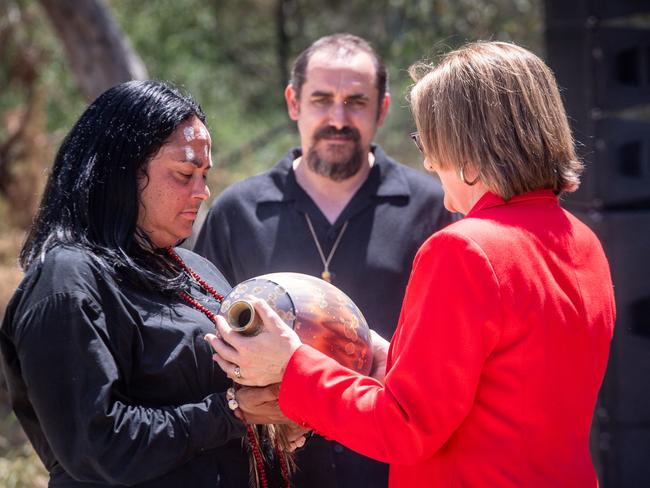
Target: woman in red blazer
(492, 375)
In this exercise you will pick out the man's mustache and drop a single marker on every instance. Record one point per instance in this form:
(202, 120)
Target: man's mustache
(330, 131)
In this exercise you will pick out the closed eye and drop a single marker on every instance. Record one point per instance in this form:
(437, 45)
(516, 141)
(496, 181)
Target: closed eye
(320, 101)
(359, 101)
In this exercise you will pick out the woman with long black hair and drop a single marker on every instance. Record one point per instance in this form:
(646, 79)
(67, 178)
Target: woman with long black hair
(102, 343)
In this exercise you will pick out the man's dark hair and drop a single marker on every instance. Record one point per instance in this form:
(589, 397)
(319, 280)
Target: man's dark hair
(91, 200)
(347, 44)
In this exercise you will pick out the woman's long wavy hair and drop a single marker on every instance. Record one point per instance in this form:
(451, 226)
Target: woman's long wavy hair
(91, 199)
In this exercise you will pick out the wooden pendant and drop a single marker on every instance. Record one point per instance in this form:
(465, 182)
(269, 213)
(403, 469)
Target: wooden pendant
(327, 276)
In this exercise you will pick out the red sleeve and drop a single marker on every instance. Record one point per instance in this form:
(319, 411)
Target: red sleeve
(449, 324)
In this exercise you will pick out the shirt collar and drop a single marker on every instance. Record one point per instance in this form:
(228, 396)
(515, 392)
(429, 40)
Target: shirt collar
(384, 180)
(489, 199)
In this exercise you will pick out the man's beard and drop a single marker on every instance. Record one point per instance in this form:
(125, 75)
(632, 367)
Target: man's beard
(341, 168)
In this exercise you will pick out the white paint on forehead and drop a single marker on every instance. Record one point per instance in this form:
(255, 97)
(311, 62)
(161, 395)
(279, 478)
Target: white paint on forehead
(203, 133)
(189, 153)
(188, 132)
(341, 52)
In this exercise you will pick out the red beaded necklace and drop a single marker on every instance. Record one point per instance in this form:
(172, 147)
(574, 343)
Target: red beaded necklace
(252, 438)
(189, 298)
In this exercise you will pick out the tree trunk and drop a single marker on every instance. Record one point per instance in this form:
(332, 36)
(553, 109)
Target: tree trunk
(283, 41)
(99, 53)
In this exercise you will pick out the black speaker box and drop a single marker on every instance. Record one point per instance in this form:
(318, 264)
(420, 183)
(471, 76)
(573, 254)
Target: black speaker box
(621, 447)
(603, 69)
(595, 10)
(617, 173)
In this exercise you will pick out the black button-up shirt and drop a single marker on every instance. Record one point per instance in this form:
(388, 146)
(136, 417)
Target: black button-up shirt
(258, 226)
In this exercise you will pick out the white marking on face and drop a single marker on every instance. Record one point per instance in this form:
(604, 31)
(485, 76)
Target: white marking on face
(341, 52)
(188, 132)
(203, 133)
(189, 153)
(207, 151)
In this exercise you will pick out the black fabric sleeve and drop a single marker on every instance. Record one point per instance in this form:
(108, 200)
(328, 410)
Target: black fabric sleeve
(73, 368)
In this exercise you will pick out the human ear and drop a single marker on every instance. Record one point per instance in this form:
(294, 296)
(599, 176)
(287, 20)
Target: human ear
(293, 105)
(383, 110)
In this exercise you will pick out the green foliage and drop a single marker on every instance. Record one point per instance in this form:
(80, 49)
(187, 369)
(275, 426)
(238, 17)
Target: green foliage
(234, 56)
(19, 464)
(22, 469)
(31, 44)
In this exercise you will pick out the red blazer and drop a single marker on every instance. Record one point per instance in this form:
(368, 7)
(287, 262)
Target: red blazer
(495, 365)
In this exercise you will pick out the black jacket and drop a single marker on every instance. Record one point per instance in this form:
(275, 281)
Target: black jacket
(116, 386)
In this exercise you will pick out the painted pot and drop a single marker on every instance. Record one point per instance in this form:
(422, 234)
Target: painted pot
(323, 316)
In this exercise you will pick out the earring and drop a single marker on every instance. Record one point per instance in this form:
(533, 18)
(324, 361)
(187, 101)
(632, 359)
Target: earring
(468, 183)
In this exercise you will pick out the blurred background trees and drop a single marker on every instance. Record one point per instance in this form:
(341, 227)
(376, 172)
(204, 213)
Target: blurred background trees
(233, 56)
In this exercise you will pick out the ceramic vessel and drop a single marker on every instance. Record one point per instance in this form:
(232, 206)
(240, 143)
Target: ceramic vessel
(323, 316)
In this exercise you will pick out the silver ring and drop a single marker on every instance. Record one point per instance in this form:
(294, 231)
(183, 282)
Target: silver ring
(237, 372)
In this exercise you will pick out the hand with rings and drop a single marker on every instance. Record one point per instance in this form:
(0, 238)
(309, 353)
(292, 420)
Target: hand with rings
(263, 357)
(259, 405)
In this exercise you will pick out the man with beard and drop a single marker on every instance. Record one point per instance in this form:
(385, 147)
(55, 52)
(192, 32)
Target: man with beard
(337, 208)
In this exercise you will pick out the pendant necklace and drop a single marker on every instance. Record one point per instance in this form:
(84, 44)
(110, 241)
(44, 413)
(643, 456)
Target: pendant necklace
(326, 275)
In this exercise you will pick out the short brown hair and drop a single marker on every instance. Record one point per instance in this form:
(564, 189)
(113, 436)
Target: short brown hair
(348, 44)
(496, 106)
